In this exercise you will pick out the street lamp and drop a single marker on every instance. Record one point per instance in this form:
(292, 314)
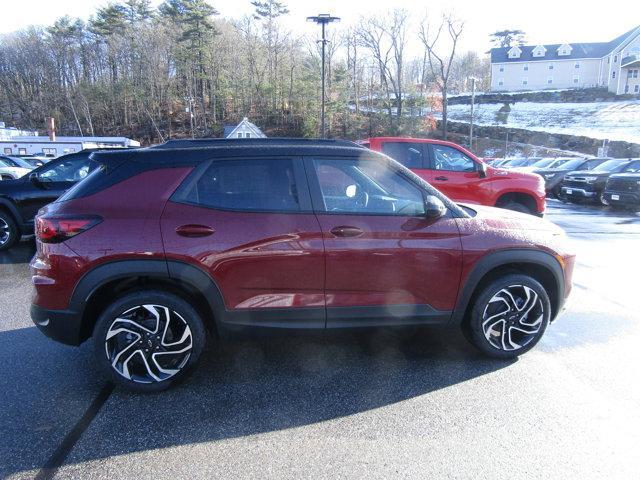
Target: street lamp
(473, 101)
(323, 19)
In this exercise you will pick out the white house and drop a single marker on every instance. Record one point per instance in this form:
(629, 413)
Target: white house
(613, 64)
(245, 129)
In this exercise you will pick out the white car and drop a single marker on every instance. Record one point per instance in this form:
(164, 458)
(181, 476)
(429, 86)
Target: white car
(9, 172)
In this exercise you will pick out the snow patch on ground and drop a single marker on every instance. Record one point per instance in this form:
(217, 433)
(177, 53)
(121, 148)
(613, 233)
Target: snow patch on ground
(602, 120)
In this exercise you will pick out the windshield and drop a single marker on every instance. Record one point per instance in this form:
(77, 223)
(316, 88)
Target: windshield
(558, 162)
(608, 166)
(19, 162)
(543, 163)
(572, 164)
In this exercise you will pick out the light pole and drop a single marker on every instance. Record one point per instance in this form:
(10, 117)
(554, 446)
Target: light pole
(473, 101)
(323, 19)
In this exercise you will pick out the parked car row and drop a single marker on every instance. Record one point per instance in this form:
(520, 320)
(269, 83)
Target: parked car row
(605, 181)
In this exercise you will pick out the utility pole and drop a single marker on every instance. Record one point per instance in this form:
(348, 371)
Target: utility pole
(473, 101)
(323, 19)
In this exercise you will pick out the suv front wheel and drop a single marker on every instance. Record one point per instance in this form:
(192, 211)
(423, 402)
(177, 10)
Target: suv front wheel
(148, 340)
(509, 316)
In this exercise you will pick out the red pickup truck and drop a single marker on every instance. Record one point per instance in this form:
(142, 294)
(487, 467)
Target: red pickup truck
(462, 176)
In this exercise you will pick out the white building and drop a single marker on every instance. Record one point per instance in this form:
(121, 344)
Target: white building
(245, 129)
(43, 145)
(614, 65)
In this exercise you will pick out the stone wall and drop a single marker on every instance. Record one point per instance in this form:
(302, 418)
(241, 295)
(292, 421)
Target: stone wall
(582, 95)
(572, 143)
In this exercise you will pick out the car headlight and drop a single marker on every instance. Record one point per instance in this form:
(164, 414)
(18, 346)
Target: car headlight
(549, 176)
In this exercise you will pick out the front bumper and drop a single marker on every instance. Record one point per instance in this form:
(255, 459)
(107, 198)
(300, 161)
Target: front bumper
(572, 192)
(622, 198)
(60, 325)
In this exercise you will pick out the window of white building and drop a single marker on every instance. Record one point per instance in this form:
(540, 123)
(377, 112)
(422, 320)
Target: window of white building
(576, 79)
(525, 67)
(525, 81)
(549, 80)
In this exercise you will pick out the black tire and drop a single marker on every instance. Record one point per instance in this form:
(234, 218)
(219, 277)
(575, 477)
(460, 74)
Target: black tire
(180, 317)
(602, 200)
(9, 233)
(517, 207)
(487, 307)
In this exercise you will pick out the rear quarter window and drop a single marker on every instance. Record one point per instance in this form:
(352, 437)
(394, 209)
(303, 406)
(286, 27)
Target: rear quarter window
(409, 154)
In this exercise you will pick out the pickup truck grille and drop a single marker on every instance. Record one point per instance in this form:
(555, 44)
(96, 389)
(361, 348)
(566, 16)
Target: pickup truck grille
(623, 184)
(577, 182)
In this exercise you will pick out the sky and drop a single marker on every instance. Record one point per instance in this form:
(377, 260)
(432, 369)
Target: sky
(544, 21)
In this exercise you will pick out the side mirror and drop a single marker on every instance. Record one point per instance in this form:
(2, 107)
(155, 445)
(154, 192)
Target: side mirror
(33, 178)
(482, 169)
(434, 208)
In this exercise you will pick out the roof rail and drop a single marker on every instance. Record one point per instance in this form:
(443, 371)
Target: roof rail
(220, 142)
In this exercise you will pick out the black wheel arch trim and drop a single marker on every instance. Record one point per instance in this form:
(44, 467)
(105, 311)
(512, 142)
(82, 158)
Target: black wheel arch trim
(503, 258)
(13, 210)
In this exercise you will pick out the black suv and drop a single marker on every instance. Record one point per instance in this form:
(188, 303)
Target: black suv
(623, 189)
(554, 175)
(589, 184)
(21, 199)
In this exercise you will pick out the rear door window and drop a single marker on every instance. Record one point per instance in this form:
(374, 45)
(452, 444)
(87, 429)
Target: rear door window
(409, 154)
(246, 185)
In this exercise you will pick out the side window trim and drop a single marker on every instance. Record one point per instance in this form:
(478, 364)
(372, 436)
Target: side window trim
(302, 187)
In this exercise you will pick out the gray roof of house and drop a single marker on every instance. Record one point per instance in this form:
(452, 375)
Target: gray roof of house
(579, 50)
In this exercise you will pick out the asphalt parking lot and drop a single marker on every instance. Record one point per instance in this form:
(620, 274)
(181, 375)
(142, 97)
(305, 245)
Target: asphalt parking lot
(411, 404)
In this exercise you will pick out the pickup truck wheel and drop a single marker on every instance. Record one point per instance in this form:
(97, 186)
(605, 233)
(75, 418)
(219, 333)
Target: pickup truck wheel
(518, 207)
(603, 200)
(148, 340)
(9, 233)
(509, 316)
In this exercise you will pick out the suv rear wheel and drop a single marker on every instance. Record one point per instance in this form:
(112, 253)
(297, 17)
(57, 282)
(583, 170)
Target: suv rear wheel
(509, 316)
(9, 233)
(148, 340)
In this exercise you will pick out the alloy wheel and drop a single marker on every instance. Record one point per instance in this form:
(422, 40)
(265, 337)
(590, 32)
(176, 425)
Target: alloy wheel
(148, 343)
(5, 232)
(512, 318)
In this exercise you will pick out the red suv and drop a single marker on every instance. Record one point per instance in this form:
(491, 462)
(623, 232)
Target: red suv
(161, 245)
(462, 176)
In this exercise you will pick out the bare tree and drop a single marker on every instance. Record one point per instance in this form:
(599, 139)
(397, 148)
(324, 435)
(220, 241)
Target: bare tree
(441, 57)
(385, 39)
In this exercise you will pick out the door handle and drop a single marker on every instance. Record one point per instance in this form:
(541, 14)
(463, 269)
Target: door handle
(444, 179)
(346, 231)
(194, 231)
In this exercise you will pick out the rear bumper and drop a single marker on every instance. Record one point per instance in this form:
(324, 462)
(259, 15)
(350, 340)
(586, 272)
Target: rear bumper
(60, 325)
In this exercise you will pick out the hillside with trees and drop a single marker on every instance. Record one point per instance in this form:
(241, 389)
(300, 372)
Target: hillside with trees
(182, 70)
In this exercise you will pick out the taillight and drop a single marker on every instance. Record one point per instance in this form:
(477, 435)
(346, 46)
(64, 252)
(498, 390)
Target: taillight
(58, 228)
